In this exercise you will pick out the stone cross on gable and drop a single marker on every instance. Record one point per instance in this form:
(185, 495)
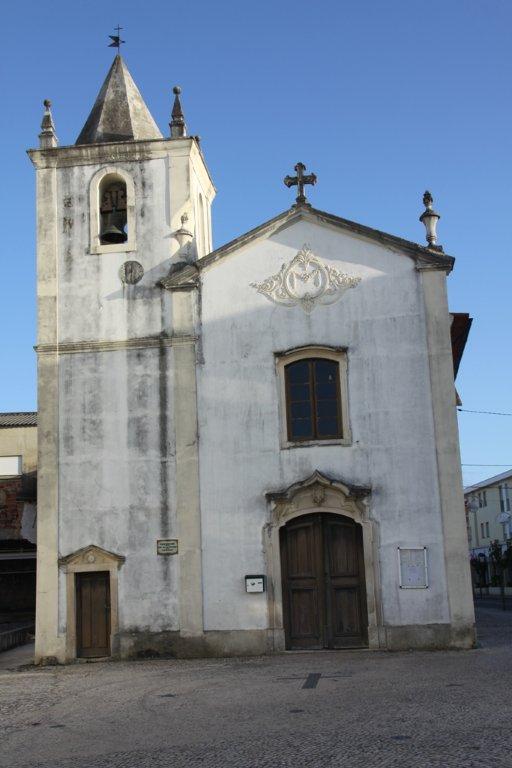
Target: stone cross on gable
(300, 180)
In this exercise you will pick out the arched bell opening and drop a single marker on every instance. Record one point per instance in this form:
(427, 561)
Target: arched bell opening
(113, 213)
(323, 582)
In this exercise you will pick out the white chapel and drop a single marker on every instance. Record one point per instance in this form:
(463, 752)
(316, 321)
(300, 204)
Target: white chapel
(241, 450)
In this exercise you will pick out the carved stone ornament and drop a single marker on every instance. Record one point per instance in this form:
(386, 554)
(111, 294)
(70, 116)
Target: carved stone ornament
(131, 272)
(319, 495)
(306, 282)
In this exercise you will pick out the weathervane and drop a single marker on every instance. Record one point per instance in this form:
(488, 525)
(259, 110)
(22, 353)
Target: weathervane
(116, 39)
(300, 180)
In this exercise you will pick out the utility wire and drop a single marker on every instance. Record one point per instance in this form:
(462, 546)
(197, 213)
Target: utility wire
(490, 413)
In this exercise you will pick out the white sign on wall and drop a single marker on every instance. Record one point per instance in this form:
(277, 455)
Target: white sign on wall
(412, 567)
(167, 546)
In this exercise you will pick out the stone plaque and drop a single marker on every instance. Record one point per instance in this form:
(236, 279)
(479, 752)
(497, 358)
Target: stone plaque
(167, 546)
(412, 566)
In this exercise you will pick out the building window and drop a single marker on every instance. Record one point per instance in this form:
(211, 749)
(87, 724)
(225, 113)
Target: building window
(482, 532)
(314, 396)
(112, 211)
(313, 400)
(10, 466)
(487, 530)
(484, 498)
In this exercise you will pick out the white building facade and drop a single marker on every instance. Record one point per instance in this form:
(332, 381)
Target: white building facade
(244, 450)
(489, 512)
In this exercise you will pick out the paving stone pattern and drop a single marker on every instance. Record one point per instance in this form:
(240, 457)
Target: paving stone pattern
(427, 710)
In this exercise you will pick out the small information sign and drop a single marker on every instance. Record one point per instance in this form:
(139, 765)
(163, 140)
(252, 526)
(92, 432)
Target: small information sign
(167, 547)
(412, 567)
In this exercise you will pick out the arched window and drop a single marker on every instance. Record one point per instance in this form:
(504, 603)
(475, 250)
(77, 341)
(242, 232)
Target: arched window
(313, 400)
(113, 211)
(314, 396)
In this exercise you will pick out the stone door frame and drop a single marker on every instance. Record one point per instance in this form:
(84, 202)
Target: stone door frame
(318, 494)
(86, 560)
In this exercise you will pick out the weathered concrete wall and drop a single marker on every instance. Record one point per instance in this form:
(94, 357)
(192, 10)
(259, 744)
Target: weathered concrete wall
(382, 324)
(106, 379)
(117, 475)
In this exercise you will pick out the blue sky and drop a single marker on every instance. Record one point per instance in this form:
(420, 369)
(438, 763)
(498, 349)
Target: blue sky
(381, 99)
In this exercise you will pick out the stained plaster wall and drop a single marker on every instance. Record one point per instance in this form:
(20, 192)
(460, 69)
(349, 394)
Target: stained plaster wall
(116, 447)
(382, 324)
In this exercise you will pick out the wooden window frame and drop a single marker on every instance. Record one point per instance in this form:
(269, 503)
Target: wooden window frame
(334, 354)
(313, 401)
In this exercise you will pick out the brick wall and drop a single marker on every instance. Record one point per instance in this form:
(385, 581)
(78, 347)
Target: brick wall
(11, 508)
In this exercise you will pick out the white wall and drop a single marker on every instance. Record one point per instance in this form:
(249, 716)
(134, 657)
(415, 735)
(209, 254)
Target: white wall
(116, 445)
(93, 302)
(381, 322)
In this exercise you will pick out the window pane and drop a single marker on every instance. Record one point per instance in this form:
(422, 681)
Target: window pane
(326, 389)
(298, 373)
(325, 371)
(327, 427)
(301, 410)
(301, 429)
(327, 409)
(300, 392)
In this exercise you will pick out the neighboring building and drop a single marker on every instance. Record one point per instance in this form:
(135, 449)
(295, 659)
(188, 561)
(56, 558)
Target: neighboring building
(18, 513)
(489, 513)
(242, 450)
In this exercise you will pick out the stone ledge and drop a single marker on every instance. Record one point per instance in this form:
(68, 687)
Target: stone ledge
(74, 347)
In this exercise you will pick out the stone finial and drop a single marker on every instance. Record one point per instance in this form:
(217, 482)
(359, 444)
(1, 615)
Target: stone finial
(428, 200)
(47, 137)
(430, 218)
(183, 235)
(177, 125)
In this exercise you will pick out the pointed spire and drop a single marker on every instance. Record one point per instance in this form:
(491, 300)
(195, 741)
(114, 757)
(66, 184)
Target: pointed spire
(177, 125)
(119, 112)
(47, 137)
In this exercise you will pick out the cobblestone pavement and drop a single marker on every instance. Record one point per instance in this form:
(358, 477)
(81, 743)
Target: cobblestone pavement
(325, 709)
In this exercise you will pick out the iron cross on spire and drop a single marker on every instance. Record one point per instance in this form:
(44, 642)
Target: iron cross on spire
(300, 180)
(116, 39)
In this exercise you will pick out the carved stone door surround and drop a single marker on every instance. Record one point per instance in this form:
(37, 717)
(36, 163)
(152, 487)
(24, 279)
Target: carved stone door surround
(319, 493)
(86, 560)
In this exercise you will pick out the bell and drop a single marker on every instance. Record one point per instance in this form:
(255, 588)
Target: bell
(112, 230)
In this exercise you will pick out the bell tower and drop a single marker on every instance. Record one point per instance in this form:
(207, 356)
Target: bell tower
(115, 211)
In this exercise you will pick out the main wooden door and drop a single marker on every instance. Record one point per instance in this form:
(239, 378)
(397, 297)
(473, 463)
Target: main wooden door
(324, 594)
(93, 614)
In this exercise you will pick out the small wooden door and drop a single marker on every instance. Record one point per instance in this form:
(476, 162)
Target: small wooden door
(324, 595)
(93, 614)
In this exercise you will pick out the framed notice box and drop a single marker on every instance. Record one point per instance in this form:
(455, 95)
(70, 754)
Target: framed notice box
(412, 567)
(167, 546)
